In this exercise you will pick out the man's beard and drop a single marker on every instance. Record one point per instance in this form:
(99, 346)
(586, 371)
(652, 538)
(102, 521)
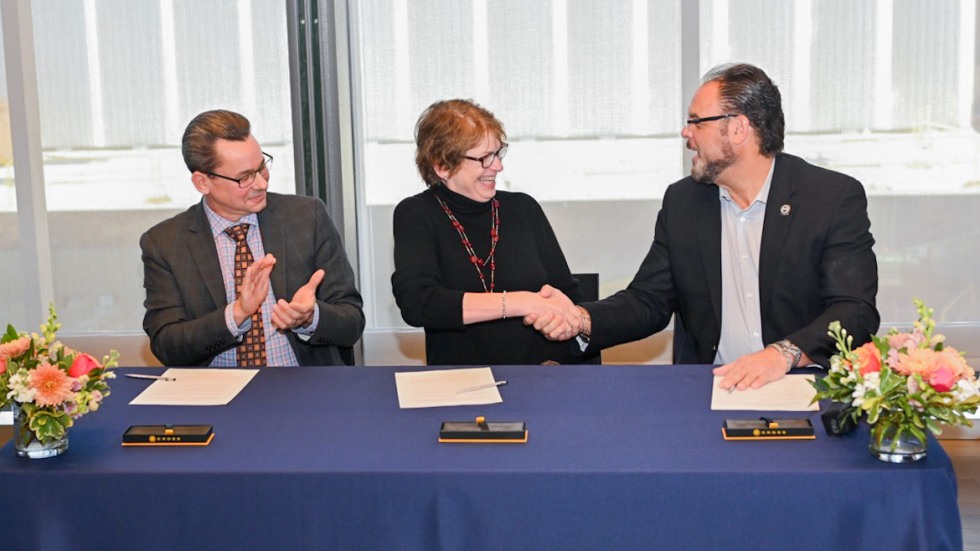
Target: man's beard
(707, 172)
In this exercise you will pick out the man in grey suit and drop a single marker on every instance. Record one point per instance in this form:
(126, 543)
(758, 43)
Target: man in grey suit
(299, 292)
(756, 252)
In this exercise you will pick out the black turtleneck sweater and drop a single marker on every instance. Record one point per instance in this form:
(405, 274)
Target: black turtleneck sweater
(433, 270)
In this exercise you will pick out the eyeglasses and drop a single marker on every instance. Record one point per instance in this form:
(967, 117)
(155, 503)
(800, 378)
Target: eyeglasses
(698, 121)
(249, 179)
(487, 159)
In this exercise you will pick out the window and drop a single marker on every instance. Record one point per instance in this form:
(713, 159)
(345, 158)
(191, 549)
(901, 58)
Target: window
(883, 92)
(117, 83)
(591, 95)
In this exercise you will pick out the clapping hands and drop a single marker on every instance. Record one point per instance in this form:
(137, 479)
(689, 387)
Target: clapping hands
(299, 311)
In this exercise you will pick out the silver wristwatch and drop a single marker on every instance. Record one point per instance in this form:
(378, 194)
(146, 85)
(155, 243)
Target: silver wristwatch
(790, 353)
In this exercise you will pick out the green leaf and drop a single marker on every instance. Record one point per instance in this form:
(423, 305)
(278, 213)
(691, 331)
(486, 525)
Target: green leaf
(10, 335)
(919, 433)
(49, 426)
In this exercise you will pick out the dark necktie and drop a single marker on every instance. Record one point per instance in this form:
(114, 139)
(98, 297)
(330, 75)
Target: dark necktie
(251, 351)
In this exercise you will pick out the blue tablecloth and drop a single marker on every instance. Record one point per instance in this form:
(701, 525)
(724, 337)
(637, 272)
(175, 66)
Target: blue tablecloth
(618, 458)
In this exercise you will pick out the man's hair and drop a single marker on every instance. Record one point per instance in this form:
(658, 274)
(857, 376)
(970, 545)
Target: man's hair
(197, 145)
(747, 90)
(446, 130)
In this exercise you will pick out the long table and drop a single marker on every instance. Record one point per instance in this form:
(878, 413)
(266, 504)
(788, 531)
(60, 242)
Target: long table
(618, 457)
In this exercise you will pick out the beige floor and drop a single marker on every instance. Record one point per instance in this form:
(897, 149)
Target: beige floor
(966, 460)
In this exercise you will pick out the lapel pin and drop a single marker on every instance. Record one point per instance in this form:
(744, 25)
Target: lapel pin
(785, 210)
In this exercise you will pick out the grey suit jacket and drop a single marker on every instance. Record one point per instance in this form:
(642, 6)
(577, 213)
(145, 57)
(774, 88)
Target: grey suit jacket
(816, 265)
(185, 294)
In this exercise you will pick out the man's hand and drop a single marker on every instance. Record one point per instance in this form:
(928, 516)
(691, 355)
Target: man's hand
(554, 315)
(752, 370)
(299, 311)
(254, 289)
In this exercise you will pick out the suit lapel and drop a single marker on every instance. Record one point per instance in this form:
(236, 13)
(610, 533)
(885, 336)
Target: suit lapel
(779, 218)
(205, 256)
(709, 243)
(274, 243)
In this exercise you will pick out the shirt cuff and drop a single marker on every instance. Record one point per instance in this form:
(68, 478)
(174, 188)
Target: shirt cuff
(237, 331)
(304, 333)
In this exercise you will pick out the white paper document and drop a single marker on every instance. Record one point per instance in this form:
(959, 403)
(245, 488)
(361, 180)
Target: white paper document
(195, 387)
(447, 387)
(791, 393)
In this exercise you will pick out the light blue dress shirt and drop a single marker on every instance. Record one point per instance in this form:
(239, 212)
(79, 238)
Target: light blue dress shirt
(741, 241)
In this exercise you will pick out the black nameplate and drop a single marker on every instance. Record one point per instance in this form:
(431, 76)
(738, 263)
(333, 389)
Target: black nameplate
(168, 435)
(485, 432)
(767, 429)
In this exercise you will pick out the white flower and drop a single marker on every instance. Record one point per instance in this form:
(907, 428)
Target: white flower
(20, 387)
(964, 390)
(872, 381)
(836, 368)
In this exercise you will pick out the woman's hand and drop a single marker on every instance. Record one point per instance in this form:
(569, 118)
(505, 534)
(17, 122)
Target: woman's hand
(553, 314)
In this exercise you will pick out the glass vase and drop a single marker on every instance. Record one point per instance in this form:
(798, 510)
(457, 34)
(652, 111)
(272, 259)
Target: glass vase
(894, 446)
(26, 443)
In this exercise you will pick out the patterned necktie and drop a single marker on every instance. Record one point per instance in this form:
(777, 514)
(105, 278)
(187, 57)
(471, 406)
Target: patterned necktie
(251, 351)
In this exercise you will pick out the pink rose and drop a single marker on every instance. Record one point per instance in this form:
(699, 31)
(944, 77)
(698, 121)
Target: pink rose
(869, 358)
(943, 379)
(3, 365)
(82, 364)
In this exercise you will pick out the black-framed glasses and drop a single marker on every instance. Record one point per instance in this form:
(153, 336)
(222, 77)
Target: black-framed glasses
(697, 121)
(249, 179)
(487, 159)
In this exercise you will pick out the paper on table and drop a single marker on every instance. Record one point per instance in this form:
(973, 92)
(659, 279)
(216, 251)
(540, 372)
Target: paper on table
(446, 387)
(791, 393)
(195, 387)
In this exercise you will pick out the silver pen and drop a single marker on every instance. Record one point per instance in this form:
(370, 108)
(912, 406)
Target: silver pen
(151, 377)
(481, 387)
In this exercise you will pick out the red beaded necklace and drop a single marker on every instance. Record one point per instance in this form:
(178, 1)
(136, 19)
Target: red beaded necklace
(478, 263)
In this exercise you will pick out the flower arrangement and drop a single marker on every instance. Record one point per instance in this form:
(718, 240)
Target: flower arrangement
(52, 384)
(906, 382)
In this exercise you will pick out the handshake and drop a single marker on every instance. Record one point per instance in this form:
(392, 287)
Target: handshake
(553, 314)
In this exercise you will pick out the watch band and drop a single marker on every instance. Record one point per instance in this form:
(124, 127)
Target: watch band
(790, 353)
(586, 331)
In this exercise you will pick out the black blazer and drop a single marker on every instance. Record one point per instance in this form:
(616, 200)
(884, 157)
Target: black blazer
(185, 294)
(816, 266)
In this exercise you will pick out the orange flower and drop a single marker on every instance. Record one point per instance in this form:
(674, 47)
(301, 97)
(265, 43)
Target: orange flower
(3, 365)
(15, 347)
(869, 358)
(53, 386)
(918, 360)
